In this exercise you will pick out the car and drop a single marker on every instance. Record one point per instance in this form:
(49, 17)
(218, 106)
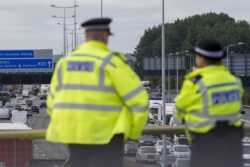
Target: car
(12, 95)
(159, 145)
(35, 109)
(19, 100)
(20, 96)
(5, 113)
(181, 140)
(182, 162)
(23, 106)
(10, 106)
(130, 147)
(17, 107)
(29, 112)
(169, 161)
(19, 91)
(43, 97)
(43, 105)
(29, 102)
(147, 154)
(147, 140)
(181, 151)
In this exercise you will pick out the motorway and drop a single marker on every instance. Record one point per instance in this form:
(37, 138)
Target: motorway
(54, 155)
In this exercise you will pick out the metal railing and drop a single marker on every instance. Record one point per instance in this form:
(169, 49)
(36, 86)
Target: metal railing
(26, 142)
(40, 134)
(246, 106)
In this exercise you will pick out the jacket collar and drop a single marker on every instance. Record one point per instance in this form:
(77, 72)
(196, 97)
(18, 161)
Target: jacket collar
(99, 45)
(207, 69)
(93, 44)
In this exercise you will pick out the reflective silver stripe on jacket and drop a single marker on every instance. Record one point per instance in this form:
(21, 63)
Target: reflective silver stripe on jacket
(87, 87)
(87, 107)
(180, 110)
(59, 78)
(139, 108)
(106, 61)
(204, 95)
(205, 113)
(224, 84)
(133, 93)
(212, 121)
(100, 87)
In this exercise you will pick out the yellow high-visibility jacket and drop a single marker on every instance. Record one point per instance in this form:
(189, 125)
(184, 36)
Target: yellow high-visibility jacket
(209, 95)
(94, 94)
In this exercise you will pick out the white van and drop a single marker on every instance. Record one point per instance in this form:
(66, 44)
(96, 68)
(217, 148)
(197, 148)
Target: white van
(25, 93)
(169, 110)
(155, 106)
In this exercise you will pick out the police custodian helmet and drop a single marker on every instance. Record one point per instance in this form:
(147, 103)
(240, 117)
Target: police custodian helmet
(97, 24)
(209, 48)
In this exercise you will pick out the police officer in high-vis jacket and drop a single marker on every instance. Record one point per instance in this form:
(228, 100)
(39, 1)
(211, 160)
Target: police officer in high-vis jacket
(210, 104)
(96, 101)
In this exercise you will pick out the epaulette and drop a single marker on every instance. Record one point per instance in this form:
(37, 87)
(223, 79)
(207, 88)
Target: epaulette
(121, 56)
(196, 79)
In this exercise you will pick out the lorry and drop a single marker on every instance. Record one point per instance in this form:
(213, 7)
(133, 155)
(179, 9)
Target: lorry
(155, 107)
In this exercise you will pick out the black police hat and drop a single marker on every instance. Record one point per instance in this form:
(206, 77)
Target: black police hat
(209, 48)
(97, 24)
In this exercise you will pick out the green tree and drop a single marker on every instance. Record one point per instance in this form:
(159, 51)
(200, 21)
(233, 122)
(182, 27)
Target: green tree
(183, 34)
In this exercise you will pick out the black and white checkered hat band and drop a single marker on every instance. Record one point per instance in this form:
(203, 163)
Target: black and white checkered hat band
(212, 54)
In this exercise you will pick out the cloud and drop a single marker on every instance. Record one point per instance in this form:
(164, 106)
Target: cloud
(28, 24)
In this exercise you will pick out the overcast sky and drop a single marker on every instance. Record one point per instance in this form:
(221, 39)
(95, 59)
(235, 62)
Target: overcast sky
(27, 24)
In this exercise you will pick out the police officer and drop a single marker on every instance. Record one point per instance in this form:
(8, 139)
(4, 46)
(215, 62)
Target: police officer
(96, 101)
(210, 104)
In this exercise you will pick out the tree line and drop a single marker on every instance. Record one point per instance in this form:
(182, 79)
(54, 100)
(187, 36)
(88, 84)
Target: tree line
(182, 35)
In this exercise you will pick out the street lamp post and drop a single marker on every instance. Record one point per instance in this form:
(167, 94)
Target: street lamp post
(64, 29)
(72, 38)
(101, 8)
(177, 73)
(228, 46)
(64, 34)
(81, 37)
(190, 61)
(64, 23)
(169, 78)
(75, 6)
(177, 69)
(163, 82)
